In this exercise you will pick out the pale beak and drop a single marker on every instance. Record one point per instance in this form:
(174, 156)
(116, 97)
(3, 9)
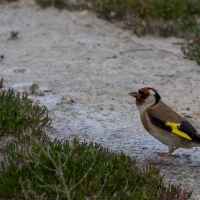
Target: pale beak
(135, 94)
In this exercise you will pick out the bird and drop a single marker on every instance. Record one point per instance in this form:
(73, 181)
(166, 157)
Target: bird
(164, 124)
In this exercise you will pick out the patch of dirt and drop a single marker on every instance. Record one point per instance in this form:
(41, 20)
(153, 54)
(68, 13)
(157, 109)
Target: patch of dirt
(82, 68)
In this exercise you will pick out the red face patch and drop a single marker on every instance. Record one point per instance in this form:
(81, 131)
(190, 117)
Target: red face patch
(139, 102)
(144, 90)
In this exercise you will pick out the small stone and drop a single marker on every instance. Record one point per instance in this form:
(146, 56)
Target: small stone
(114, 56)
(185, 155)
(83, 13)
(13, 35)
(100, 108)
(188, 116)
(144, 147)
(35, 90)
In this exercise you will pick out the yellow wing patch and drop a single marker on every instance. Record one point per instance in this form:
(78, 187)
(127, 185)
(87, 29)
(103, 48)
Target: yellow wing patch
(176, 131)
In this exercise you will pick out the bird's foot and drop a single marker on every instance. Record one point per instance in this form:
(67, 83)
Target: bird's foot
(164, 154)
(156, 162)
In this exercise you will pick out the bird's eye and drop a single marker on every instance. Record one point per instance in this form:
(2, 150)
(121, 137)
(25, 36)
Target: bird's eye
(145, 95)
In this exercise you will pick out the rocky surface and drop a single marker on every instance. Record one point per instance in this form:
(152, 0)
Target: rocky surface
(82, 68)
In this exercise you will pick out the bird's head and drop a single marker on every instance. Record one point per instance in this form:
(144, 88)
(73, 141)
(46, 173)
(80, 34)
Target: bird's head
(145, 97)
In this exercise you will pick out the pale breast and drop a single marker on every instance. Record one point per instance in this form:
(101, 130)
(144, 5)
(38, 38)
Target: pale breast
(161, 135)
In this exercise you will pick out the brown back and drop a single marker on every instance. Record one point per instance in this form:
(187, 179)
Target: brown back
(164, 113)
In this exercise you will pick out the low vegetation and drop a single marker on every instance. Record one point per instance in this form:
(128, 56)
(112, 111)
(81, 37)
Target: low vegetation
(47, 169)
(20, 116)
(35, 167)
(53, 3)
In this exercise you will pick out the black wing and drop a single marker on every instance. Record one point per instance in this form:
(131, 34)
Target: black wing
(186, 127)
(183, 129)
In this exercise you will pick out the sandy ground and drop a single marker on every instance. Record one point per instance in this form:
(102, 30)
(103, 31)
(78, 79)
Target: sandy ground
(84, 68)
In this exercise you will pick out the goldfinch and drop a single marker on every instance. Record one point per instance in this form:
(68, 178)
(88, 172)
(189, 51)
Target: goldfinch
(163, 123)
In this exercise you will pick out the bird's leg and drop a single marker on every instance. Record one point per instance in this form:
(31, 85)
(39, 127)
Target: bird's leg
(160, 161)
(172, 155)
(164, 153)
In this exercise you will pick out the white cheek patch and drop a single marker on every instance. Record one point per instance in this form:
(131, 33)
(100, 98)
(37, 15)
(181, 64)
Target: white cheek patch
(152, 93)
(148, 102)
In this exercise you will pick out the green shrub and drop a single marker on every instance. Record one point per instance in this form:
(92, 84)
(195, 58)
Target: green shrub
(19, 116)
(59, 170)
(168, 9)
(148, 9)
(53, 3)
